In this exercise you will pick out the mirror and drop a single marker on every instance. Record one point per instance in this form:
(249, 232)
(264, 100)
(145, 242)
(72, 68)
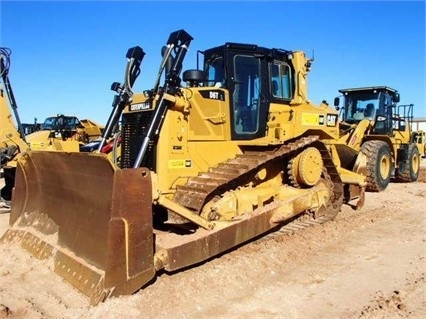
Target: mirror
(396, 98)
(336, 101)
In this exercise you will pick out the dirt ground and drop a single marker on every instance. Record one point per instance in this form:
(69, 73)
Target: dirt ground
(364, 264)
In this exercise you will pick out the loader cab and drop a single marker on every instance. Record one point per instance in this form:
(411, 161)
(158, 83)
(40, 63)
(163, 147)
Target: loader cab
(65, 125)
(376, 104)
(61, 122)
(254, 76)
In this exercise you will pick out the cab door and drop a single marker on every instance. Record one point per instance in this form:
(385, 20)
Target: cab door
(249, 103)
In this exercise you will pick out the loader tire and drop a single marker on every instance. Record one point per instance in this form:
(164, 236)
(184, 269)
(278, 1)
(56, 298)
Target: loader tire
(379, 165)
(409, 171)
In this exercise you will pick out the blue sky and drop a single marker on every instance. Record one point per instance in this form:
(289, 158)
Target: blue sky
(66, 54)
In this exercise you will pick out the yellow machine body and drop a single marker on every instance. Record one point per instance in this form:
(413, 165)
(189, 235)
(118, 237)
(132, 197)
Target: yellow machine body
(376, 138)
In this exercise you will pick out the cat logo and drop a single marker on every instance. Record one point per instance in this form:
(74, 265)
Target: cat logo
(140, 106)
(331, 119)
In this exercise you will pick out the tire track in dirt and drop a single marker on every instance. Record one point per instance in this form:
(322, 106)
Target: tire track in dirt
(394, 304)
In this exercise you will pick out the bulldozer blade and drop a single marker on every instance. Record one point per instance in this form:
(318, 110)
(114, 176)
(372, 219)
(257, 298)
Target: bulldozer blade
(91, 218)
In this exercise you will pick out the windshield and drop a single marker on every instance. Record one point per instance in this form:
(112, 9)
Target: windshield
(361, 105)
(60, 122)
(281, 80)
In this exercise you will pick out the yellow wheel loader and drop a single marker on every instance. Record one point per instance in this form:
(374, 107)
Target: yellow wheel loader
(373, 124)
(236, 152)
(57, 133)
(64, 132)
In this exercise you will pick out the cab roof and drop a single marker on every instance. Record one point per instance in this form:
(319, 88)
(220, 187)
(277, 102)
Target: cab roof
(244, 47)
(369, 88)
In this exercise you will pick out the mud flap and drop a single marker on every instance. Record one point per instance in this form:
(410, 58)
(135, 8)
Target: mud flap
(93, 219)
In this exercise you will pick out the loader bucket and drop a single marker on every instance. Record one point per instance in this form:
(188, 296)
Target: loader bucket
(93, 219)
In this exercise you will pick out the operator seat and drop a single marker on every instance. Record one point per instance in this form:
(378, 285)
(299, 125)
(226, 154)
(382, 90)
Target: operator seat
(369, 110)
(275, 88)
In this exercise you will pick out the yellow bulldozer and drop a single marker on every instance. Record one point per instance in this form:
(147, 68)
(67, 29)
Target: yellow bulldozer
(234, 151)
(374, 124)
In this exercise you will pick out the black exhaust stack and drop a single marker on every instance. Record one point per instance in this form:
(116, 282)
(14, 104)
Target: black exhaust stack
(135, 56)
(178, 42)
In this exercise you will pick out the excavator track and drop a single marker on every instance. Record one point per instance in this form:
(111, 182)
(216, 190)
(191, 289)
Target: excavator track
(241, 169)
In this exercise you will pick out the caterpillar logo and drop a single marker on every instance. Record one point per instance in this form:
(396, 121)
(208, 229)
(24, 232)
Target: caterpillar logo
(331, 119)
(140, 106)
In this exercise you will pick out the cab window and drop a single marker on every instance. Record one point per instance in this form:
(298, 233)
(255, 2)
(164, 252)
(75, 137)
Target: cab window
(280, 80)
(215, 72)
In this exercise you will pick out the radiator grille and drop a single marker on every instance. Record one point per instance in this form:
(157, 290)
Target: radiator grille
(134, 126)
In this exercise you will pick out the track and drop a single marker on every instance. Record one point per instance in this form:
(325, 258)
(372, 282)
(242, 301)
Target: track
(231, 174)
(242, 169)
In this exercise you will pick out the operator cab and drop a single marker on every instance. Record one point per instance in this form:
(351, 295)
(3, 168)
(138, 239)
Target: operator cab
(373, 103)
(61, 122)
(255, 77)
(65, 125)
